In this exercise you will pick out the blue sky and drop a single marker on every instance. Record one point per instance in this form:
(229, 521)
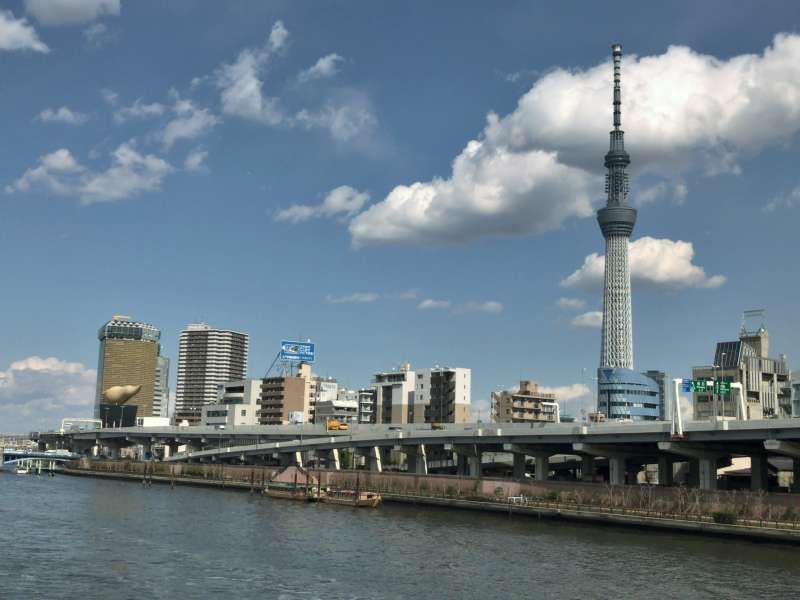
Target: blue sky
(396, 182)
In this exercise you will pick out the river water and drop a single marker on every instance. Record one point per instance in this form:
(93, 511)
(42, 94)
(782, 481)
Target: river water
(70, 537)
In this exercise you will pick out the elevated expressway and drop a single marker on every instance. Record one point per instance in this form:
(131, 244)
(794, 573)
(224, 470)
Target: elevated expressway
(703, 445)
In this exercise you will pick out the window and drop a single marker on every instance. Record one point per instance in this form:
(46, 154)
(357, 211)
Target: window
(244, 413)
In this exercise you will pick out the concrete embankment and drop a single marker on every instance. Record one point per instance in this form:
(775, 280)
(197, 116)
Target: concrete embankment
(587, 514)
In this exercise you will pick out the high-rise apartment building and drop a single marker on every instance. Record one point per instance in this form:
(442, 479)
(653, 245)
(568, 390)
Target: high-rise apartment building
(394, 395)
(161, 388)
(207, 357)
(442, 395)
(129, 352)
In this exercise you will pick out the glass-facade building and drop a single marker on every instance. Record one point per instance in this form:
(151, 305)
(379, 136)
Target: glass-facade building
(627, 395)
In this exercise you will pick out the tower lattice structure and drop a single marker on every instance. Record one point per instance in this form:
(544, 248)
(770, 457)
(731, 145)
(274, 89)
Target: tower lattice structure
(616, 221)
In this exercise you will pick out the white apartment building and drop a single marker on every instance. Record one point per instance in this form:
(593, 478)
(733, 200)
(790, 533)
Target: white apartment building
(343, 408)
(366, 406)
(394, 395)
(207, 357)
(161, 388)
(237, 404)
(442, 395)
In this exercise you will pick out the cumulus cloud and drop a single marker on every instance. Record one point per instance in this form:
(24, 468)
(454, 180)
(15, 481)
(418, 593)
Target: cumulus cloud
(786, 201)
(658, 262)
(327, 66)
(572, 399)
(96, 34)
(592, 319)
(571, 303)
(533, 169)
(355, 298)
(62, 115)
(346, 116)
(70, 12)
(137, 110)
(129, 174)
(195, 160)
(109, 96)
(489, 306)
(341, 201)
(38, 392)
(241, 85)
(189, 122)
(431, 304)
(17, 34)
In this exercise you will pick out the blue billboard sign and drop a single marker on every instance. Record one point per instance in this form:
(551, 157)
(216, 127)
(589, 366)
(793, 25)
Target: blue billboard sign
(297, 351)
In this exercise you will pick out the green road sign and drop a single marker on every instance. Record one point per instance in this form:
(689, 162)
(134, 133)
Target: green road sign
(704, 385)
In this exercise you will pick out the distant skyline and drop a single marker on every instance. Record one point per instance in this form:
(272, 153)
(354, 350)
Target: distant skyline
(413, 182)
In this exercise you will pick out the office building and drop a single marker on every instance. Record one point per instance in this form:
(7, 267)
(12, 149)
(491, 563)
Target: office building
(796, 397)
(442, 395)
(660, 377)
(526, 405)
(128, 357)
(394, 396)
(622, 393)
(161, 388)
(286, 399)
(207, 357)
(236, 404)
(766, 381)
(366, 406)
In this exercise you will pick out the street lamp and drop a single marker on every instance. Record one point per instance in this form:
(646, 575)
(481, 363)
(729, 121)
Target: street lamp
(722, 376)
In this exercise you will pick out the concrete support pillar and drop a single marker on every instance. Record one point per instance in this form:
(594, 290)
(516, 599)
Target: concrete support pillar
(519, 466)
(96, 449)
(462, 466)
(796, 473)
(417, 459)
(113, 451)
(542, 467)
(147, 450)
(616, 470)
(707, 472)
(588, 468)
(333, 459)
(759, 473)
(693, 476)
(664, 470)
(475, 464)
(375, 460)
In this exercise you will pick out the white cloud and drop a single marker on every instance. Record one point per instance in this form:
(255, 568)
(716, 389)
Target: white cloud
(129, 174)
(571, 303)
(346, 117)
(489, 306)
(70, 12)
(431, 304)
(189, 123)
(327, 66)
(592, 319)
(17, 34)
(195, 160)
(241, 86)
(540, 165)
(137, 110)
(567, 392)
(38, 392)
(62, 115)
(110, 96)
(355, 298)
(341, 201)
(790, 200)
(658, 262)
(94, 32)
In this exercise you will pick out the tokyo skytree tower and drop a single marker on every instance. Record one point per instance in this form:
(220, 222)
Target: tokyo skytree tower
(616, 222)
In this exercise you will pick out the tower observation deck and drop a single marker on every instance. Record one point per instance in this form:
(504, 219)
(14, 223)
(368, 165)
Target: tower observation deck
(621, 392)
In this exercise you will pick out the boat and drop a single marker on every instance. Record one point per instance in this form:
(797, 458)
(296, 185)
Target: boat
(293, 483)
(358, 499)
